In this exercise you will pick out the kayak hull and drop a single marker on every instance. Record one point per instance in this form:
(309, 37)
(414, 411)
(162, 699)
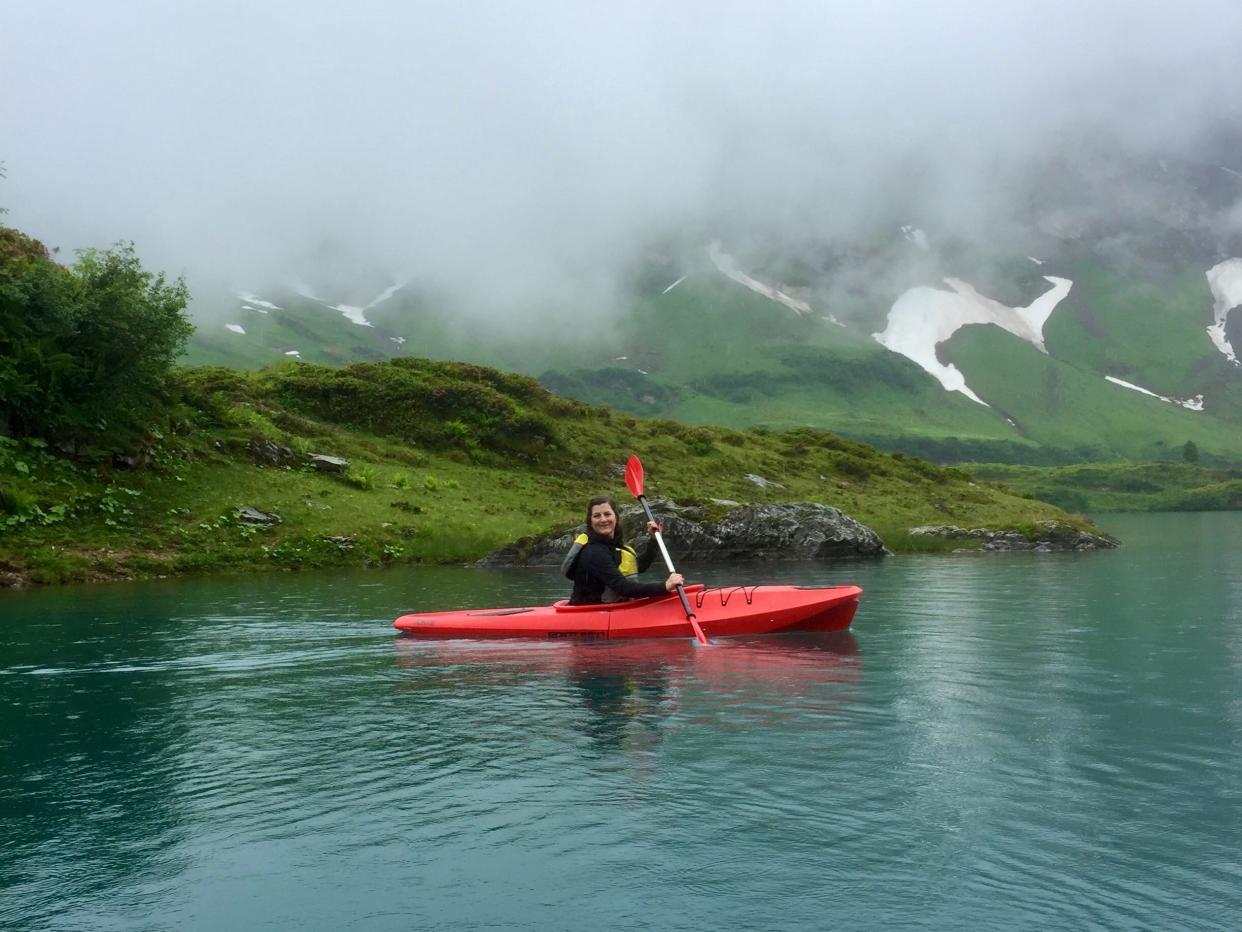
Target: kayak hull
(722, 612)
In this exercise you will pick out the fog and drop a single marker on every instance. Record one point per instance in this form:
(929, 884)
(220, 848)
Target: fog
(519, 153)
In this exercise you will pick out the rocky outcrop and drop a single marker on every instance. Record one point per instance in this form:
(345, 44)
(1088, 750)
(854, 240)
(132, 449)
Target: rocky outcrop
(1051, 536)
(720, 532)
(255, 517)
(269, 453)
(328, 464)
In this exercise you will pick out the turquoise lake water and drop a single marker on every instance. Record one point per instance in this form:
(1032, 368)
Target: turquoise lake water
(1011, 740)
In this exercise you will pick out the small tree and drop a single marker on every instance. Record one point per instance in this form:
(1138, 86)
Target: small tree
(1190, 452)
(130, 329)
(85, 352)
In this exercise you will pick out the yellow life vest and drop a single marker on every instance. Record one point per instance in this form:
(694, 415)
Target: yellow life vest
(628, 565)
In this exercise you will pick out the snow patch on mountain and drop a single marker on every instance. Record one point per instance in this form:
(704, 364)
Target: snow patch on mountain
(236, 328)
(923, 317)
(358, 315)
(354, 314)
(728, 267)
(1225, 280)
(257, 302)
(1191, 404)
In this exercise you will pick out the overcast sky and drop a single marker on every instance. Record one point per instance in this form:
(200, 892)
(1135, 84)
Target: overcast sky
(506, 145)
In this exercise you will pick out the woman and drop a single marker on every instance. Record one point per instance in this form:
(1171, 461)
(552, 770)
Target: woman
(602, 566)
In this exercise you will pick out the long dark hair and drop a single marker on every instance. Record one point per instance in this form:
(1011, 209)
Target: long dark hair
(618, 535)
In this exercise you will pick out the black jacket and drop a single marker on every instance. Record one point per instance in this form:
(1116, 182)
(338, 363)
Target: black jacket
(596, 572)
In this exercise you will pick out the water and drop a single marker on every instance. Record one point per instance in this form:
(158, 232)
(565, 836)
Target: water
(1039, 741)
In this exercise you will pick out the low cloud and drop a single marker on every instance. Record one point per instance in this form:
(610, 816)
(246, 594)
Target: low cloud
(520, 154)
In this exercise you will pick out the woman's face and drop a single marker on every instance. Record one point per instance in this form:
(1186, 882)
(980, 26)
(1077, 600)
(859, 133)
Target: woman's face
(603, 521)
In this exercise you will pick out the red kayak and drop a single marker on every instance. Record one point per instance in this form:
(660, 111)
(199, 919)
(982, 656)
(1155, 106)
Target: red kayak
(722, 612)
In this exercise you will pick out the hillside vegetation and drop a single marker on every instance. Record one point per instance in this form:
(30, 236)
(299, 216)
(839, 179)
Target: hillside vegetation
(686, 343)
(447, 461)
(1105, 487)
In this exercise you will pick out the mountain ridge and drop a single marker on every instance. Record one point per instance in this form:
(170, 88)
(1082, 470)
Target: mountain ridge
(1125, 275)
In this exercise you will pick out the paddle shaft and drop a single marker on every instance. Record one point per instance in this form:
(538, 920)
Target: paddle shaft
(681, 592)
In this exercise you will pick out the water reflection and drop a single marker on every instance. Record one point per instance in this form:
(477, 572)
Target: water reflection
(628, 689)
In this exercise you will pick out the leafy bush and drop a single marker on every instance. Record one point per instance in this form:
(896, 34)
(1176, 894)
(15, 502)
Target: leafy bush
(214, 390)
(852, 466)
(85, 351)
(698, 440)
(423, 403)
(360, 477)
(15, 501)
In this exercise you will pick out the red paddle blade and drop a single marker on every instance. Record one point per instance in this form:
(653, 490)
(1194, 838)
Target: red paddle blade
(634, 476)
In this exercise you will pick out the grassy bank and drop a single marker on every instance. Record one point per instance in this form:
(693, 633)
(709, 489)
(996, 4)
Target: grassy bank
(1102, 487)
(446, 462)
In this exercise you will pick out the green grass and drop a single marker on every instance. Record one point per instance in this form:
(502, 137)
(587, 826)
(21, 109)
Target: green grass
(1106, 487)
(517, 461)
(1064, 407)
(1151, 333)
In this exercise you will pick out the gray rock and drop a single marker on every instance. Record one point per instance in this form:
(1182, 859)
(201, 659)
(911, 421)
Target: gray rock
(332, 464)
(136, 460)
(776, 532)
(269, 453)
(1053, 537)
(802, 531)
(256, 517)
(9, 580)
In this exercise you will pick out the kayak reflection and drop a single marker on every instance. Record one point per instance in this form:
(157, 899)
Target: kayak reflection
(630, 688)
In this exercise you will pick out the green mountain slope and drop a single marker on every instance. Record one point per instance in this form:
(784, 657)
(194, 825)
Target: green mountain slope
(447, 462)
(1067, 408)
(710, 351)
(1145, 331)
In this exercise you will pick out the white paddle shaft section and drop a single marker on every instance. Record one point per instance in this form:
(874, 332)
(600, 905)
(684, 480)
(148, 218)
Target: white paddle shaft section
(699, 634)
(664, 552)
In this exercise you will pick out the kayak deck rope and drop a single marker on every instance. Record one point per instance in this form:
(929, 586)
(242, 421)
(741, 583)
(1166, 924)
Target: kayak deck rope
(748, 593)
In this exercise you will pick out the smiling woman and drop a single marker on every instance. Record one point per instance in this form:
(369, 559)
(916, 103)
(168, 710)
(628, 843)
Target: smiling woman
(601, 564)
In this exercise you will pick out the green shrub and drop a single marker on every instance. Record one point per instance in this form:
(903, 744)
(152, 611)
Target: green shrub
(852, 466)
(699, 441)
(360, 477)
(86, 352)
(15, 501)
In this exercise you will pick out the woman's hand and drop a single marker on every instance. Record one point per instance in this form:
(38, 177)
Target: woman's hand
(674, 580)
(654, 527)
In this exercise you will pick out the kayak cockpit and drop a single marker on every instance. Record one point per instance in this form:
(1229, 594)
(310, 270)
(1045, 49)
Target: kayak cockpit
(564, 606)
